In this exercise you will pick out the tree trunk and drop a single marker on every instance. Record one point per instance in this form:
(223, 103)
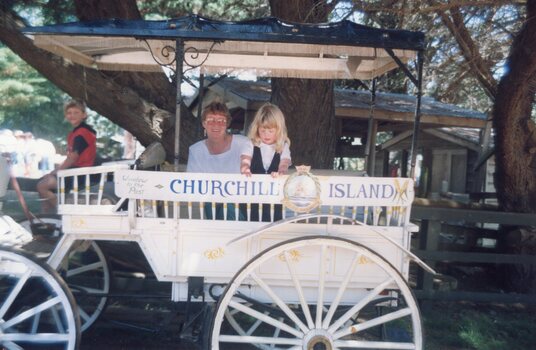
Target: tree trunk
(515, 139)
(515, 149)
(308, 104)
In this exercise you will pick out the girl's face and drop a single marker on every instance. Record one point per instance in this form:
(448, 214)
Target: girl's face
(268, 135)
(74, 116)
(215, 125)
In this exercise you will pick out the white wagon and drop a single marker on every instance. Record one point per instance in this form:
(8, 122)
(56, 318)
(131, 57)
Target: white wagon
(331, 274)
(307, 279)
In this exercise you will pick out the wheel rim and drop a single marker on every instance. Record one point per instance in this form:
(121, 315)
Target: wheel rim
(86, 272)
(316, 310)
(36, 308)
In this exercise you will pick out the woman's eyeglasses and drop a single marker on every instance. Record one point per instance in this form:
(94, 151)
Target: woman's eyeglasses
(219, 121)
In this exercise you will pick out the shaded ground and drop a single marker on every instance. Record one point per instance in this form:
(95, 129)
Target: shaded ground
(447, 326)
(139, 325)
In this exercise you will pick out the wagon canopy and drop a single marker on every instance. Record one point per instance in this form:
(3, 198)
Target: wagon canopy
(266, 46)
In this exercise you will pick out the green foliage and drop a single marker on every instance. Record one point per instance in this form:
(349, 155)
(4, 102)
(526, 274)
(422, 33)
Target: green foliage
(107, 147)
(39, 12)
(28, 101)
(218, 9)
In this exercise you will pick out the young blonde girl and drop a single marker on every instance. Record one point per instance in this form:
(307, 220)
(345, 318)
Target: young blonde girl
(268, 152)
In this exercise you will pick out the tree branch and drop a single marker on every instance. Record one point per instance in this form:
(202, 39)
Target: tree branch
(480, 69)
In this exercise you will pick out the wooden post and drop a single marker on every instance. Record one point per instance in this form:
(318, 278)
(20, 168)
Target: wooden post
(417, 123)
(370, 148)
(428, 240)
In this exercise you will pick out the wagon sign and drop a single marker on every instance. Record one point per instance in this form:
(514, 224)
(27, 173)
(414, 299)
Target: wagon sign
(301, 191)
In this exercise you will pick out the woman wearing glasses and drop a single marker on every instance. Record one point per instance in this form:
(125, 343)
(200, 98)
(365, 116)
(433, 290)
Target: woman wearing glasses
(220, 151)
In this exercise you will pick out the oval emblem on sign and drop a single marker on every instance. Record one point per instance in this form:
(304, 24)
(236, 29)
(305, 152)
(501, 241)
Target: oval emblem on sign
(302, 191)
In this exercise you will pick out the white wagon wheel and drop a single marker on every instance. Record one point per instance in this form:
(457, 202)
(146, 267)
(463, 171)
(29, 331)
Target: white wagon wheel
(84, 269)
(37, 310)
(312, 309)
(87, 273)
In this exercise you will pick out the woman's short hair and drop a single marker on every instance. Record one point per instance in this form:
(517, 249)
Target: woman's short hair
(218, 108)
(74, 104)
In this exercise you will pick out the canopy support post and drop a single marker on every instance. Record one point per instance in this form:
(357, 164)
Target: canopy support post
(416, 125)
(179, 59)
(370, 153)
(200, 97)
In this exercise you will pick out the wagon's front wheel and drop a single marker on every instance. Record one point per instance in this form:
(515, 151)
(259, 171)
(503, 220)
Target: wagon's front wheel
(317, 293)
(37, 309)
(85, 269)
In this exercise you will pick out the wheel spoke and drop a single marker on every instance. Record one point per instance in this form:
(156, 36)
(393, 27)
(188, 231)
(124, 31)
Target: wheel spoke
(14, 293)
(11, 346)
(265, 318)
(29, 313)
(282, 305)
(371, 295)
(258, 340)
(372, 323)
(321, 280)
(230, 317)
(363, 344)
(85, 268)
(340, 292)
(83, 315)
(35, 323)
(45, 338)
(254, 326)
(57, 319)
(299, 290)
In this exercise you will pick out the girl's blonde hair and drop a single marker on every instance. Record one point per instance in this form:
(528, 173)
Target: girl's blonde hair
(269, 116)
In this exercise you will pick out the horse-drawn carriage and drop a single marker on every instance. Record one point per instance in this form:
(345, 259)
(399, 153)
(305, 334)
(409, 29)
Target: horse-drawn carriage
(332, 273)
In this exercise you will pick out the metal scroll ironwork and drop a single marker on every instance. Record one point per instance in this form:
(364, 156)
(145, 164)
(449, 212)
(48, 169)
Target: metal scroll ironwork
(168, 51)
(193, 52)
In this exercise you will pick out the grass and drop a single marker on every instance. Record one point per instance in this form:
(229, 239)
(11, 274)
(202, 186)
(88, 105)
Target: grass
(467, 326)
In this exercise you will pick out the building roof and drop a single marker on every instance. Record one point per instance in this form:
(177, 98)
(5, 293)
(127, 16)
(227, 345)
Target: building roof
(355, 104)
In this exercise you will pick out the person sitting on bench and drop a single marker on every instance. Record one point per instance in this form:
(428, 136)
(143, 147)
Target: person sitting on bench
(81, 152)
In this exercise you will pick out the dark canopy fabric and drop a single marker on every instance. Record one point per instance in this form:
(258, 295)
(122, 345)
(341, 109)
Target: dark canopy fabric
(267, 29)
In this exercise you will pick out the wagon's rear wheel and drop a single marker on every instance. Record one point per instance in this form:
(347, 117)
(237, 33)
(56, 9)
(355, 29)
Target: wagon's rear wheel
(37, 310)
(317, 293)
(84, 269)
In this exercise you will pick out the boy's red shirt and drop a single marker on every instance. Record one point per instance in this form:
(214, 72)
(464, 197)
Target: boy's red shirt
(86, 155)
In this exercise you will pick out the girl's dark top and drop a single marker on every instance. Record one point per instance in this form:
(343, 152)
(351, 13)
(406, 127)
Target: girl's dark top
(257, 167)
(256, 162)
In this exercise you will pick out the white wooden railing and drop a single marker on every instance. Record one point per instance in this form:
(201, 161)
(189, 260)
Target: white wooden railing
(169, 195)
